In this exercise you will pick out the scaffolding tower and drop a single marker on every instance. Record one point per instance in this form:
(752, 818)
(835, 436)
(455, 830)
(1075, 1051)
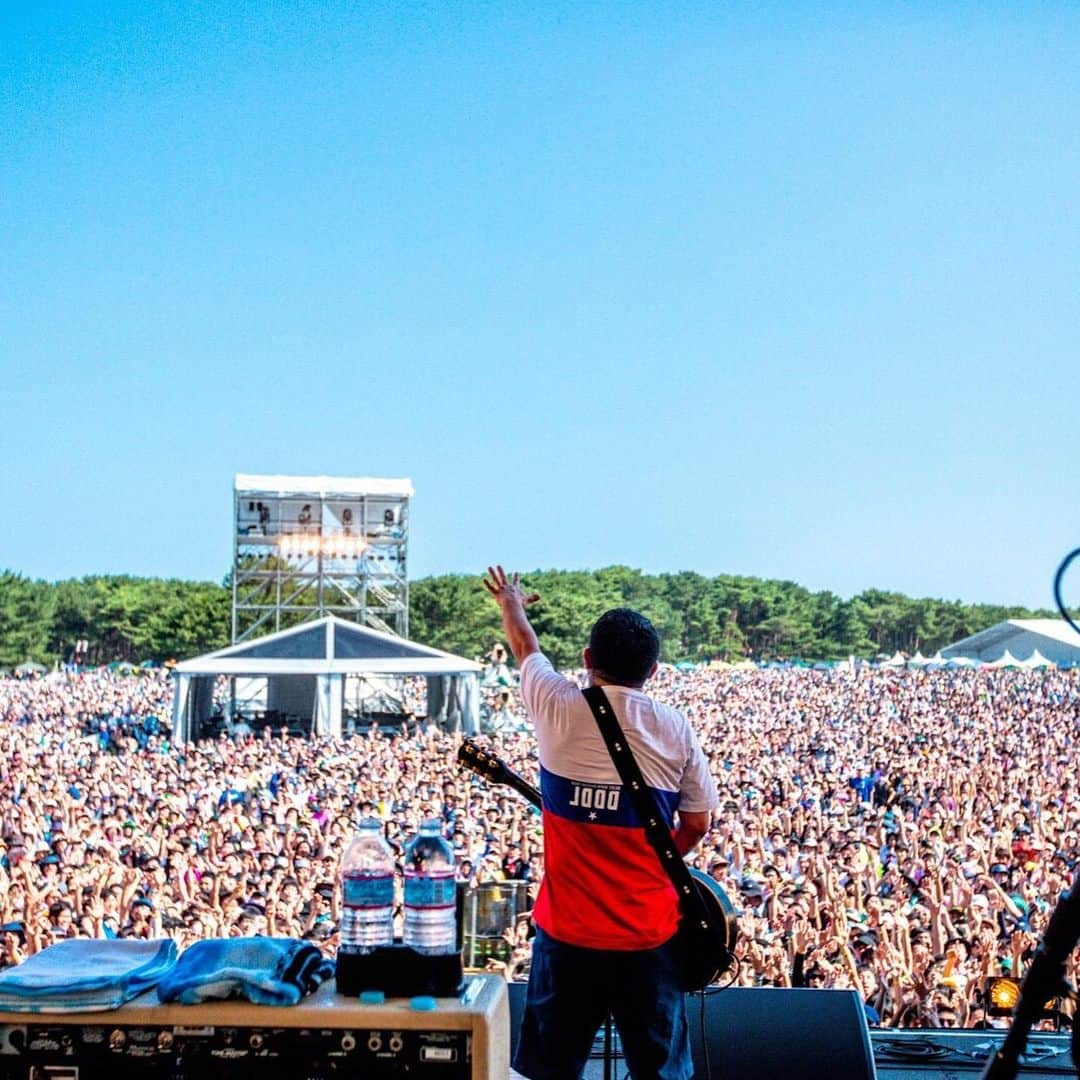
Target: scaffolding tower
(308, 546)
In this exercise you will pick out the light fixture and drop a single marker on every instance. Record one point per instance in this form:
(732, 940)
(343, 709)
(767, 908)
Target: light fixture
(1003, 994)
(334, 546)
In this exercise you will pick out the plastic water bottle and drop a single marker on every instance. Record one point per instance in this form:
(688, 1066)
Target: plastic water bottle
(430, 893)
(367, 891)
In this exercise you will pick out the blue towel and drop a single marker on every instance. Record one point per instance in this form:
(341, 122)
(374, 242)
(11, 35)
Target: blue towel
(85, 975)
(265, 970)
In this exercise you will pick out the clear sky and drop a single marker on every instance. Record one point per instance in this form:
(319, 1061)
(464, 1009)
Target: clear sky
(788, 290)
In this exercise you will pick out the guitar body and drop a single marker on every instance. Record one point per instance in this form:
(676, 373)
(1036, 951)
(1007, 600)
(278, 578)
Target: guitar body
(708, 952)
(708, 955)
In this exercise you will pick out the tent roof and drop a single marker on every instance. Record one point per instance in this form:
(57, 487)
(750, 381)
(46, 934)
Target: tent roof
(329, 644)
(1055, 629)
(326, 486)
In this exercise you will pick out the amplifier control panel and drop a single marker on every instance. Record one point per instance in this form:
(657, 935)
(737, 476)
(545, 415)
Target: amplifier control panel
(36, 1051)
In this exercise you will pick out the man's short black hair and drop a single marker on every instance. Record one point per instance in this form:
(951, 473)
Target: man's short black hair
(624, 646)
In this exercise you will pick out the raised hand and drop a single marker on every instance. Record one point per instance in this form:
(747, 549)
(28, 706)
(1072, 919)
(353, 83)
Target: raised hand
(507, 589)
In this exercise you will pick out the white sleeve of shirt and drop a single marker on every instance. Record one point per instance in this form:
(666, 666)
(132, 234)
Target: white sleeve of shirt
(697, 789)
(544, 690)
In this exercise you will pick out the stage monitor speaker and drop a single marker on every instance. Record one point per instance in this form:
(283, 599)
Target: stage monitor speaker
(768, 1032)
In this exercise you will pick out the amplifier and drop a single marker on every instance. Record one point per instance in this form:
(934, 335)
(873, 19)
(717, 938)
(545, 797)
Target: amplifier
(326, 1035)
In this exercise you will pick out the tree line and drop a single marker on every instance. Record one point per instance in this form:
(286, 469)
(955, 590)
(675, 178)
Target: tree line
(699, 618)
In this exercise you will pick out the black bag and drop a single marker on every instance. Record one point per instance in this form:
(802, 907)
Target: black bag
(707, 927)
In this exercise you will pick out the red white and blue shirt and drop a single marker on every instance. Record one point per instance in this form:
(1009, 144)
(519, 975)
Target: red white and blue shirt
(603, 886)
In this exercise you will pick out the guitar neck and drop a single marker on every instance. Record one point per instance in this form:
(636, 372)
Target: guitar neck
(480, 761)
(523, 788)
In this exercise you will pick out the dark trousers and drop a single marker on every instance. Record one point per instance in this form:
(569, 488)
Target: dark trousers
(572, 990)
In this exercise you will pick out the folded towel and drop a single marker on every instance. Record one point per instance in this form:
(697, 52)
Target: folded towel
(85, 975)
(265, 970)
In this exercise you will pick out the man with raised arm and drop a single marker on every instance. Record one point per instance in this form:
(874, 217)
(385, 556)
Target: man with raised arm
(607, 911)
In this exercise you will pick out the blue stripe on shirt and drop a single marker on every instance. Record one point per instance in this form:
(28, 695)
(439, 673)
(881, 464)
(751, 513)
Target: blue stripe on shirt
(599, 804)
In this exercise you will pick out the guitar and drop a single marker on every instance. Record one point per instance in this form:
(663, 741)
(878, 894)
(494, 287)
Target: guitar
(718, 907)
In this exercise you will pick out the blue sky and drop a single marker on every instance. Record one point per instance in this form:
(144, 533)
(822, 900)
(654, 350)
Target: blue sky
(785, 290)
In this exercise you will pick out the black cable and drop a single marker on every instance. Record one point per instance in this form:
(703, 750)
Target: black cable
(719, 988)
(923, 1049)
(1058, 578)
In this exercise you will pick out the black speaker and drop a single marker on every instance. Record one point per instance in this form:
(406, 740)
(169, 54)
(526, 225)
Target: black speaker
(768, 1032)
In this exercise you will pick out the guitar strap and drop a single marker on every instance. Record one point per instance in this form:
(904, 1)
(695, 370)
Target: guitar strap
(656, 832)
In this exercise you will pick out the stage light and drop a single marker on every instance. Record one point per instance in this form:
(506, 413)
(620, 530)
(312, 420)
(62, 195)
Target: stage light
(338, 546)
(1002, 994)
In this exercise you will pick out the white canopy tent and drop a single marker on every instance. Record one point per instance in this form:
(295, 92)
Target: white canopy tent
(305, 668)
(1036, 660)
(1053, 639)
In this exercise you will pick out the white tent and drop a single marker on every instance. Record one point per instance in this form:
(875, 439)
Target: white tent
(1036, 660)
(1054, 639)
(305, 668)
(896, 660)
(1005, 660)
(918, 660)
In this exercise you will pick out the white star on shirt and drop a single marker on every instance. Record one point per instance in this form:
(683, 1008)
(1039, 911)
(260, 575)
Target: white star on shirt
(592, 816)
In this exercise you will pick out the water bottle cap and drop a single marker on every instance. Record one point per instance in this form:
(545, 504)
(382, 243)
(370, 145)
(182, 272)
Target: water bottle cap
(423, 1003)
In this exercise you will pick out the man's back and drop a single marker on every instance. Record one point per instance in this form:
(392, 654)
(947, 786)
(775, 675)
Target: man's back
(604, 887)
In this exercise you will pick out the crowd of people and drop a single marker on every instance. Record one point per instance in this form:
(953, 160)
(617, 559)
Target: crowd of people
(903, 832)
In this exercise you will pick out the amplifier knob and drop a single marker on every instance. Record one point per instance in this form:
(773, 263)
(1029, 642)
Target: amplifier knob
(348, 1042)
(117, 1039)
(256, 1040)
(165, 1040)
(396, 1043)
(374, 1043)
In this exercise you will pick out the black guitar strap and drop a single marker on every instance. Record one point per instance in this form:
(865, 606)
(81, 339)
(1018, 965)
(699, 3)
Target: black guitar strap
(657, 833)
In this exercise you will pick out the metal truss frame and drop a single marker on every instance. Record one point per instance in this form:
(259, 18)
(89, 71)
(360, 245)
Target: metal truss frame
(288, 568)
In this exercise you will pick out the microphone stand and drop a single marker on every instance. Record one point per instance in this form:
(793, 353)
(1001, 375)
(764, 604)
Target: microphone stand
(1045, 979)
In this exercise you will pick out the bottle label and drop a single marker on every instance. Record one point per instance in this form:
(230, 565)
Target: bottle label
(430, 890)
(368, 890)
